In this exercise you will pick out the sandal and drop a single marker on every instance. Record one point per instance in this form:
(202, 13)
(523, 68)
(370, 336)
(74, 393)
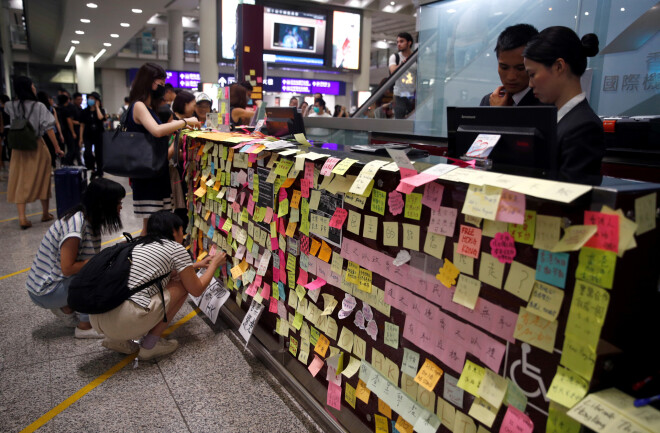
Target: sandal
(48, 218)
(26, 226)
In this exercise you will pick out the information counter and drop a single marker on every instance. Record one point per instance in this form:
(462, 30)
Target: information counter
(392, 296)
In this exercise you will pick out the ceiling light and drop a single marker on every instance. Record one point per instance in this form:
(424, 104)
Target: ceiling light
(68, 55)
(136, 11)
(85, 20)
(75, 42)
(549, 9)
(80, 32)
(392, 3)
(623, 9)
(92, 5)
(586, 13)
(114, 35)
(125, 24)
(107, 44)
(451, 11)
(102, 52)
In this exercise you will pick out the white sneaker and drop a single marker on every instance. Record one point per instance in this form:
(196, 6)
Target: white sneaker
(162, 348)
(122, 346)
(68, 320)
(87, 333)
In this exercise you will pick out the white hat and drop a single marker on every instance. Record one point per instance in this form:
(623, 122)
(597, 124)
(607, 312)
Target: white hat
(203, 97)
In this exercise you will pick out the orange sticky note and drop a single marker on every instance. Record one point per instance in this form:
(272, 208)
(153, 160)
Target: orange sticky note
(295, 200)
(384, 409)
(362, 392)
(403, 426)
(429, 375)
(246, 48)
(291, 229)
(315, 247)
(287, 183)
(326, 252)
(322, 345)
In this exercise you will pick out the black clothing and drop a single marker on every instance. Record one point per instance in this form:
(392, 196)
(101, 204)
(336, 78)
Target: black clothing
(581, 145)
(528, 100)
(93, 136)
(72, 148)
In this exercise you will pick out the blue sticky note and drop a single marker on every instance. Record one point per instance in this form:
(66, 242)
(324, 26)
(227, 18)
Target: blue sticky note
(245, 148)
(238, 284)
(217, 221)
(394, 430)
(551, 268)
(280, 288)
(210, 232)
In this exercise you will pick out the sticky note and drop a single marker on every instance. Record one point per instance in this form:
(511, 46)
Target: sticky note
(378, 198)
(395, 202)
(339, 217)
(574, 238)
(464, 264)
(548, 231)
(381, 424)
(626, 230)
(322, 345)
(482, 201)
(345, 339)
(447, 274)
(645, 213)
(429, 375)
(520, 280)
(491, 228)
(471, 378)
(567, 388)
(410, 236)
(410, 362)
(607, 236)
(403, 426)
(432, 197)
(390, 233)
(516, 421)
(475, 221)
(343, 166)
(443, 221)
(413, 209)
(362, 392)
(491, 270)
(579, 356)
(524, 233)
(391, 336)
(469, 241)
(315, 366)
(511, 208)
(535, 330)
(483, 412)
(493, 388)
(515, 396)
(596, 266)
(364, 280)
(560, 422)
(315, 247)
(467, 291)
(552, 268)
(354, 219)
(434, 244)
(452, 392)
(503, 247)
(384, 409)
(545, 301)
(370, 229)
(349, 395)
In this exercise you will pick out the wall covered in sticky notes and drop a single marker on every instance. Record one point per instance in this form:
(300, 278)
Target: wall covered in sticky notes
(436, 313)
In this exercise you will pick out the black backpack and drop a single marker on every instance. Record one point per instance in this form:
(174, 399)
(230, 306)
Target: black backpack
(21, 135)
(102, 284)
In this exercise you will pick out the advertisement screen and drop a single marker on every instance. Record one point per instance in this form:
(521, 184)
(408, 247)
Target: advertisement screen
(294, 32)
(346, 40)
(229, 29)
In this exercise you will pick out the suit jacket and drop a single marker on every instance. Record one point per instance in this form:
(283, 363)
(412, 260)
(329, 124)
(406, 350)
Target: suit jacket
(528, 100)
(580, 145)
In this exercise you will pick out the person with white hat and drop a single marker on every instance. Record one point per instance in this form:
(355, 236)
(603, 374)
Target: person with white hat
(202, 107)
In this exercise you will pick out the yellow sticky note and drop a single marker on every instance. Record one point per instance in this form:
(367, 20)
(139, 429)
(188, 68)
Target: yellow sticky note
(482, 201)
(343, 166)
(370, 230)
(326, 252)
(313, 249)
(352, 368)
(300, 138)
(578, 356)
(535, 330)
(627, 230)
(403, 426)
(596, 266)
(464, 263)
(545, 300)
(382, 425)
(463, 423)
(471, 378)
(246, 48)
(493, 388)
(429, 375)
(349, 395)
(524, 233)
(291, 229)
(559, 422)
(295, 199)
(352, 273)
(548, 230)
(410, 236)
(384, 409)
(467, 291)
(378, 200)
(364, 280)
(520, 280)
(567, 388)
(391, 337)
(202, 255)
(645, 213)
(199, 192)
(434, 244)
(354, 222)
(493, 227)
(391, 233)
(345, 339)
(322, 345)
(362, 392)
(475, 221)
(483, 412)
(359, 347)
(587, 313)
(447, 274)
(413, 209)
(446, 412)
(491, 270)
(574, 238)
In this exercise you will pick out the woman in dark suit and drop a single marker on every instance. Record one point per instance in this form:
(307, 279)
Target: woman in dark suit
(555, 61)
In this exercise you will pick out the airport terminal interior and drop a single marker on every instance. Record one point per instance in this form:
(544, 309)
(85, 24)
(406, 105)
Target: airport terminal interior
(329, 216)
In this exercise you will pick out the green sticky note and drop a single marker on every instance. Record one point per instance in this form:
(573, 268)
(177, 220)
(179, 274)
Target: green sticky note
(298, 320)
(314, 335)
(378, 198)
(413, 206)
(283, 167)
(291, 278)
(244, 215)
(304, 216)
(596, 266)
(283, 208)
(291, 262)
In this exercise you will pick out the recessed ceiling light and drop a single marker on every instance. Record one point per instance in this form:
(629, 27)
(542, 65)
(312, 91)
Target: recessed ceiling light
(114, 35)
(125, 24)
(392, 3)
(586, 13)
(80, 32)
(623, 9)
(74, 42)
(107, 44)
(136, 11)
(549, 9)
(92, 5)
(85, 20)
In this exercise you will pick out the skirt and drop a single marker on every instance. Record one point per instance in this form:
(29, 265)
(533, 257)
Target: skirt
(29, 174)
(152, 195)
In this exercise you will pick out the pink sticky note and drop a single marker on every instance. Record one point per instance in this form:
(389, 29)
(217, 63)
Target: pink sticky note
(281, 310)
(274, 244)
(443, 221)
(305, 185)
(273, 305)
(283, 195)
(334, 396)
(419, 179)
(405, 188)
(395, 202)
(220, 224)
(503, 247)
(309, 171)
(265, 292)
(276, 275)
(407, 172)
(316, 284)
(316, 365)
(469, 242)
(213, 250)
(280, 227)
(516, 422)
(269, 215)
(607, 236)
(511, 208)
(236, 207)
(302, 277)
(257, 282)
(250, 205)
(259, 80)
(329, 165)
(251, 290)
(252, 158)
(338, 219)
(433, 195)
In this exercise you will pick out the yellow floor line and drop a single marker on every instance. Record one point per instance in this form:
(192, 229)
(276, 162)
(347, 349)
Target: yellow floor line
(104, 243)
(28, 215)
(96, 382)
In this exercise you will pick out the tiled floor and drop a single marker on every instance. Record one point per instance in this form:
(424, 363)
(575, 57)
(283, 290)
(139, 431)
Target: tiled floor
(210, 384)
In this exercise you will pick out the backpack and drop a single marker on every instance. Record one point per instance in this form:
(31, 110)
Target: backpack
(102, 284)
(21, 135)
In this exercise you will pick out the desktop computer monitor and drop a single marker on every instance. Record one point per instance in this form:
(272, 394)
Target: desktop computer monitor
(284, 121)
(527, 145)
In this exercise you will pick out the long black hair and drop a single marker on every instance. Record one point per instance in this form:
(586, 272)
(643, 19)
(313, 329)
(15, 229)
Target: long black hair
(561, 42)
(141, 87)
(43, 98)
(23, 89)
(161, 225)
(99, 205)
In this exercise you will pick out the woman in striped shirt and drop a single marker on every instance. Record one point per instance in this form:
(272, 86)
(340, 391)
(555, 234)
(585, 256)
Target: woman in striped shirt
(69, 243)
(158, 253)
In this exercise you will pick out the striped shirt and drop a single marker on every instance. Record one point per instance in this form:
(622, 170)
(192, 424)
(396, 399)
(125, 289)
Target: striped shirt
(151, 261)
(46, 270)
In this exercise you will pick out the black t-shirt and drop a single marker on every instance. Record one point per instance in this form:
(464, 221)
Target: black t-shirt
(64, 113)
(93, 125)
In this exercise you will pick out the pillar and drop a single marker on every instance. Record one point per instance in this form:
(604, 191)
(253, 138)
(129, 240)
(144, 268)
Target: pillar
(85, 73)
(361, 82)
(208, 51)
(175, 40)
(7, 63)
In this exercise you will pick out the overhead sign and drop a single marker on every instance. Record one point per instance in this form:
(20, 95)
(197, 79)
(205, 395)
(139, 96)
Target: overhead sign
(304, 86)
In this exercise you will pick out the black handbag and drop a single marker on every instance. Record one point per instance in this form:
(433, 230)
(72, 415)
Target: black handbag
(133, 154)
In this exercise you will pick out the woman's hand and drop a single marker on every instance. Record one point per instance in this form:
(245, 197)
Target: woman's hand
(193, 122)
(203, 263)
(219, 259)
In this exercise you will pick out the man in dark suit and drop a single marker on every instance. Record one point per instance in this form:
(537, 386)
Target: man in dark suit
(511, 68)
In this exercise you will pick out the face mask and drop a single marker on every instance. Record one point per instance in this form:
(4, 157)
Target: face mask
(158, 93)
(317, 110)
(91, 102)
(250, 102)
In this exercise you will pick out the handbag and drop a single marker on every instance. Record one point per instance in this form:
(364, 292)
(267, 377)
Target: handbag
(21, 135)
(133, 154)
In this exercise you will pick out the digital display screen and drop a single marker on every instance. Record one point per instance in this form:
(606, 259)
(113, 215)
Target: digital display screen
(188, 80)
(229, 29)
(293, 60)
(294, 31)
(346, 40)
(303, 86)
